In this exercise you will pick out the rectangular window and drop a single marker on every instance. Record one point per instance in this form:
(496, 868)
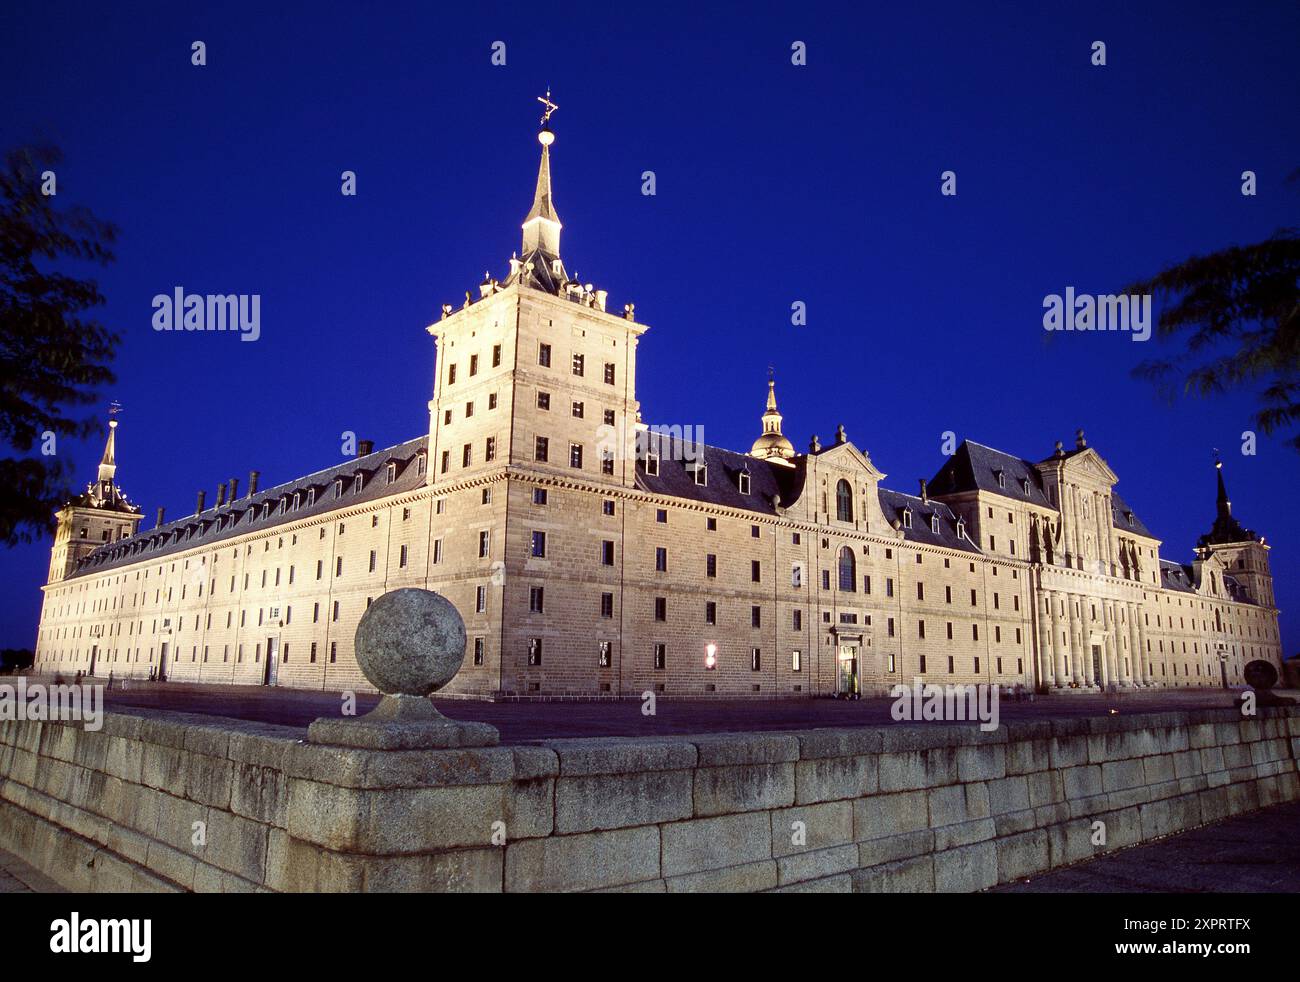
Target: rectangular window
(889, 586)
(607, 507)
(334, 651)
(710, 612)
(451, 375)
(661, 608)
(446, 461)
(496, 355)
(578, 362)
(372, 560)
(755, 616)
(401, 558)
(607, 553)
(473, 364)
(490, 449)
(605, 654)
(541, 449)
(577, 410)
(661, 655)
(607, 462)
(480, 600)
(539, 496)
(478, 651)
(544, 357)
(796, 660)
(539, 545)
(755, 571)
(575, 455)
(710, 565)
(609, 373)
(534, 651)
(484, 544)
(796, 620)
(437, 551)
(661, 516)
(755, 659)
(607, 605)
(536, 600)
(890, 627)
(466, 455)
(544, 400)
(661, 560)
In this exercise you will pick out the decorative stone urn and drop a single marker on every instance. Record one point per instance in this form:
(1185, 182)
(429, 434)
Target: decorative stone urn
(409, 644)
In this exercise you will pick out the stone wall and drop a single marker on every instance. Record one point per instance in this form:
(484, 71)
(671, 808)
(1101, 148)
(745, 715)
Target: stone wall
(168, 801)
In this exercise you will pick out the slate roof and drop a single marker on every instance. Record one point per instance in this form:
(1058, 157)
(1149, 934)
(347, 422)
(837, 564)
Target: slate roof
(893, 503)
(766, 480)
(1120, 514)
(975, 467)
(1176, 576)
(247, 514)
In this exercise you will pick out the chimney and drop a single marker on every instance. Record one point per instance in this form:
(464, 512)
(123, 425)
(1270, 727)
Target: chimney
(365, 447)
(925, 498)
(252, 482)
(198, 505)
(160, 517)
(221, 493)
(234, 490)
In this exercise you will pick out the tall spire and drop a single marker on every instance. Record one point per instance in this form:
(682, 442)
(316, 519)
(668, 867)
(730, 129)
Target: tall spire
(108, 463)
(542, 226)
(1225, 528)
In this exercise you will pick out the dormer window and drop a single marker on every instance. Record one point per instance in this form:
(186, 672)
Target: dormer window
(1027, 487)
(699, 472)
(311, 496)
(392, 472)
(338, 488)
(934, 524)
(907, 518)
(742, 482)
(1002, 479)
(419, 463)
(297, 500)
(652, 463)
(1129, 516)
(358, 482)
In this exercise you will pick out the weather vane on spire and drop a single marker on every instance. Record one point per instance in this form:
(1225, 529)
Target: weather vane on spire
(550, 106)
(114, 408)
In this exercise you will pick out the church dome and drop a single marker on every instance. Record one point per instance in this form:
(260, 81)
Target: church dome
(772, 445)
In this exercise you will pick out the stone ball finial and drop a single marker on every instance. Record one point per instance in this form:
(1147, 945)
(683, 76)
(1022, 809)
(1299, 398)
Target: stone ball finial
(410, 642)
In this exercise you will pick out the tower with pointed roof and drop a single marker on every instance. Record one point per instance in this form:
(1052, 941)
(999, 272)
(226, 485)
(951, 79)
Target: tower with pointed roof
(1243, 551)
(100, 514)
(772, 444)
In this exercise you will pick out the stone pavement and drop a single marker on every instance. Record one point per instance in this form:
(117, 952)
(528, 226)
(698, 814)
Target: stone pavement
(17, 877)
(1254, 853)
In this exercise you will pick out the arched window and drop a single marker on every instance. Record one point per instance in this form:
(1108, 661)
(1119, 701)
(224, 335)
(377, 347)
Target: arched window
(848, 570)
(844, 502)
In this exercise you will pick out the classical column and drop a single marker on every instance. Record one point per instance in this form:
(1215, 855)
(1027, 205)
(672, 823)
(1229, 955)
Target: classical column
(1142, 643)
(1074, 614)
(1046, 641)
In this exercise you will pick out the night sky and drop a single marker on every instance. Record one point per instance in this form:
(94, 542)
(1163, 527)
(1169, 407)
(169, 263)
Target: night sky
(775, 184)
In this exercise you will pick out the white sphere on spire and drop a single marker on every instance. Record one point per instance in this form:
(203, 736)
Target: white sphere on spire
(546, 137)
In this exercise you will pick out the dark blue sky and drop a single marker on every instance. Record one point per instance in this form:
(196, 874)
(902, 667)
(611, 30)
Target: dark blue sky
(775, 183)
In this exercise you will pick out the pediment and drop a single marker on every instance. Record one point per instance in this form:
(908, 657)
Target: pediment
(849, 457)
(1089, 466)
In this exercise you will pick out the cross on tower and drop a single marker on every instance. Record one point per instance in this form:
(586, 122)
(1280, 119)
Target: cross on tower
(114, 408)
(550, 106)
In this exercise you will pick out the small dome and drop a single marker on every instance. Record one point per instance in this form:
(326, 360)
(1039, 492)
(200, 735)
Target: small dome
(772, 445)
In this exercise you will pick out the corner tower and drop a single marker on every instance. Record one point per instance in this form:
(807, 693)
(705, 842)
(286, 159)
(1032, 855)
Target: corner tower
(1244, 553)
(102, 513)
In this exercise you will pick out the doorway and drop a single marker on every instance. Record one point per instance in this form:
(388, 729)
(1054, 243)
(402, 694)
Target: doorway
(162, 663)
(848, 687)
(272, 661)
(94, 654)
